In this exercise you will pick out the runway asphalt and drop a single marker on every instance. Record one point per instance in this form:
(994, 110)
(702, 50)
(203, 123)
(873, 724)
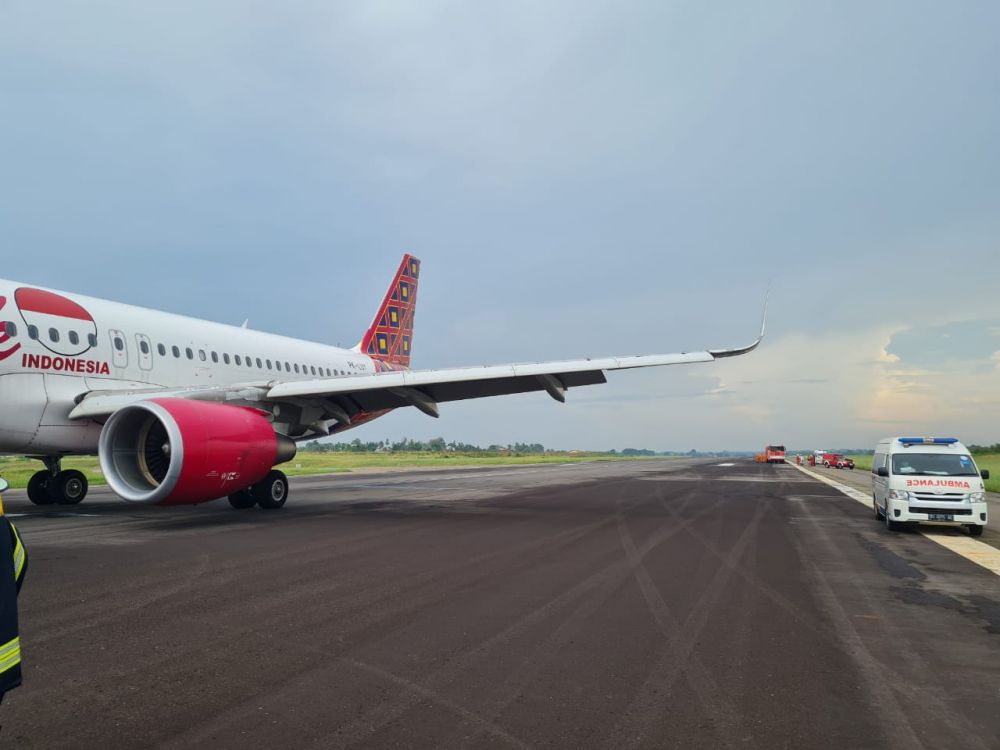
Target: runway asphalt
(672, 603)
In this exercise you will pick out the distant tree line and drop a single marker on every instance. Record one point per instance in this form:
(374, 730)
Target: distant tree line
(440, 445)
(408, 445)
(981, 449)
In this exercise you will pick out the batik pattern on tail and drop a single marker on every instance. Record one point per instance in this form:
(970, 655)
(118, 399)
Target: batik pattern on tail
(389, 341)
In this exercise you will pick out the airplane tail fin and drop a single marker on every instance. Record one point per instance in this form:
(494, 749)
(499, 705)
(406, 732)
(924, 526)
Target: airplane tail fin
(389, 339)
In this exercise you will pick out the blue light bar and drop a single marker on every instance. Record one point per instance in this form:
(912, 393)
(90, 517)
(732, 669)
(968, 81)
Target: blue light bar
(927, 441)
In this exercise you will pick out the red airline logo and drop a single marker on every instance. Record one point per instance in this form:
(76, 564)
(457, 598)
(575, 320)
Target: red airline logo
(4, 338)
(60, 325)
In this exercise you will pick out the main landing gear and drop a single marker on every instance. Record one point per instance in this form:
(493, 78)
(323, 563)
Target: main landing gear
(269, 493)
(52, 485)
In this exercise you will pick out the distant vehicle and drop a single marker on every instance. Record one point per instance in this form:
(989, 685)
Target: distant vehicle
(917, 479)
(774, 454)
(837, 461)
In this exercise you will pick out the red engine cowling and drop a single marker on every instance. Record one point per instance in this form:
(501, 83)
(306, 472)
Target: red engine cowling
(171, 451)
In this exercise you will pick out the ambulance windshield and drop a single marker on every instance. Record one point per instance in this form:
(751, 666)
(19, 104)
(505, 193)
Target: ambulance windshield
(933, 464)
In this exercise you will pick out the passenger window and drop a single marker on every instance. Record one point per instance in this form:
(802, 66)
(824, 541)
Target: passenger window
(119, 344)
(260, 365)
(312, 369)
(201, 355)
(10, 329)
(144, 347)
(74, 338)
(189, 353)
(238, 360)
(215, 357)
(53, 335)
(33, 333)
(296, 369)
(91, 338)
(249, 362)
(225, 358)
(288, 367)
(176, 351)
(268, 363)
(162, 350)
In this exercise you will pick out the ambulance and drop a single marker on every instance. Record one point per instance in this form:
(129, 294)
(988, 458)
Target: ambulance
(921, 479)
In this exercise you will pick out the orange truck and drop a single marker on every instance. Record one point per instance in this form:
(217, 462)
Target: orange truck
(774, 454)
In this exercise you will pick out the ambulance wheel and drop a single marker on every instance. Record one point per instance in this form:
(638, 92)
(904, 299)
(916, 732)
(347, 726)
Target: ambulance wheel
(40, 488)
(69, 487)
(891, 525)
(242, 500)
(271, 491)
(975, 529)
(878, 513)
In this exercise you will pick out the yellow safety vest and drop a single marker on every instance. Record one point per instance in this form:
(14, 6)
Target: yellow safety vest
(11, 579)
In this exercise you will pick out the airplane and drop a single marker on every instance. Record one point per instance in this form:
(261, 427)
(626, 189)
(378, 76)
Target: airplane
(182, 411)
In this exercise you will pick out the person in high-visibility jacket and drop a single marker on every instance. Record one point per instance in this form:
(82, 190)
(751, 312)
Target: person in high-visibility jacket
(13, 566)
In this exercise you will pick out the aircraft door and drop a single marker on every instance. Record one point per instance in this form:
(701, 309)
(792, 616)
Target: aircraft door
(145, 347)
(119, 349)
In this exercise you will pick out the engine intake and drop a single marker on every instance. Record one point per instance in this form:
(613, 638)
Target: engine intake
(173, 451)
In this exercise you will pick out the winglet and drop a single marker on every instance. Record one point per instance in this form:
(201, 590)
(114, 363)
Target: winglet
(720, 353)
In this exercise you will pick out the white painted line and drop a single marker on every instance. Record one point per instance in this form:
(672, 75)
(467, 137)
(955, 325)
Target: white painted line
(725, 464)
(969, 548)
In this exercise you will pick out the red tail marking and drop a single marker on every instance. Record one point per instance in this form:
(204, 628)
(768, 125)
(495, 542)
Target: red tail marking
(389, 339)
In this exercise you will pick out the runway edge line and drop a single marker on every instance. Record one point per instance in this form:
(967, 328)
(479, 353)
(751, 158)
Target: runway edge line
(978, 552)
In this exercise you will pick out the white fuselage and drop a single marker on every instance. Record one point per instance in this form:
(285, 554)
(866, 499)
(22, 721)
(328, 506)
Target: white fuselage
(55, 352)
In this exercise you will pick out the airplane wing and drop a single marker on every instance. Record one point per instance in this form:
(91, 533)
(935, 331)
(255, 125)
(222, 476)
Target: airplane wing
(337, 401)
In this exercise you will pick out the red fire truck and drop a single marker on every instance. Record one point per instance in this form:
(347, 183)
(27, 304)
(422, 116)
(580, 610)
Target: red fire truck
(774, 454)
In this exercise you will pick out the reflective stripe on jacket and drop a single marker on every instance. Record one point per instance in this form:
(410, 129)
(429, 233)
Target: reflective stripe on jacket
(13, 566)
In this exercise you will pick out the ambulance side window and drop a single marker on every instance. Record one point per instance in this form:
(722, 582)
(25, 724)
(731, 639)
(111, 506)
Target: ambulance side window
(878, 462)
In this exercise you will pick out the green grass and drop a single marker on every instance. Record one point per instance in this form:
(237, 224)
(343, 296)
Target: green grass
(18, 471)
(989, 461)
(862, 462)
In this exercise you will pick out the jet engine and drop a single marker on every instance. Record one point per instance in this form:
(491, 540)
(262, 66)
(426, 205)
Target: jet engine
(171, 451)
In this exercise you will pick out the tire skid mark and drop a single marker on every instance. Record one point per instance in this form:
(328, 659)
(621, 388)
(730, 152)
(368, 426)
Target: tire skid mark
(277, 611)
(385, 713)
(148, 591)
(883, 683)
(544, 653)
(678, 656)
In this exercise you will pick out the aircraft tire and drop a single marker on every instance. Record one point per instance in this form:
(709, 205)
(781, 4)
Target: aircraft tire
(271, 491)
(242, 500)
(40, 488)
(69, 487)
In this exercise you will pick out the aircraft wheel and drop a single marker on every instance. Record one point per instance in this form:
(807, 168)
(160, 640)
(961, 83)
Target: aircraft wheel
(69, 487)
(975, 529)
(242, 500)
(271, 491)
(40, 488)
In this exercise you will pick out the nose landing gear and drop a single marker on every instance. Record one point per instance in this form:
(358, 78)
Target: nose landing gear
(52, 485)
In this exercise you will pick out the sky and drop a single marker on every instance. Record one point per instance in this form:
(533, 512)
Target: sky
(578, 179)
